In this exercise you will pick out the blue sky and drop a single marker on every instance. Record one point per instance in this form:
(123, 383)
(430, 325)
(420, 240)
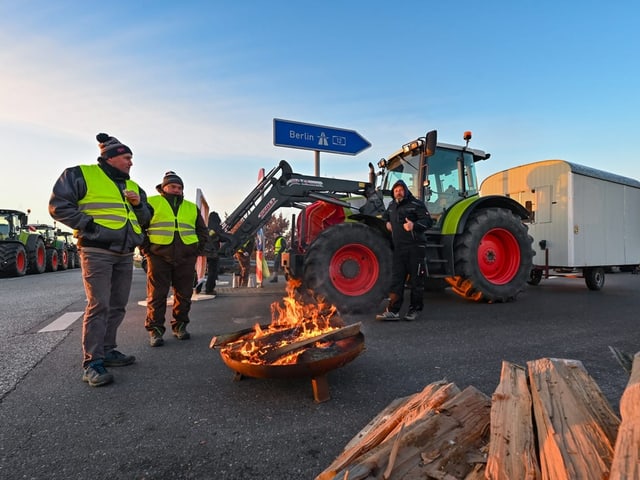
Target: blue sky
(194, 86)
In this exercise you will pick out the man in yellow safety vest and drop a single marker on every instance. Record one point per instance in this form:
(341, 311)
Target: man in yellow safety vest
(176, 236)
(106, 209)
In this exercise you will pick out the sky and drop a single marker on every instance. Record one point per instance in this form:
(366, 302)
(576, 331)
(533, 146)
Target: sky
(194, 86)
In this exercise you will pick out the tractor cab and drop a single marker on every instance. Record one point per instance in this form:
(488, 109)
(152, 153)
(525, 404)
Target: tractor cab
(438, 173)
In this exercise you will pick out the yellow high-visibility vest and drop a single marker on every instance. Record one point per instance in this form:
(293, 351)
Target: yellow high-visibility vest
(165, 223)
(104, 201)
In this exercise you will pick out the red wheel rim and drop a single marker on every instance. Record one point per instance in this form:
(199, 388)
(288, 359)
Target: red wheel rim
(21, 262)
(354, 269)
(499, 256)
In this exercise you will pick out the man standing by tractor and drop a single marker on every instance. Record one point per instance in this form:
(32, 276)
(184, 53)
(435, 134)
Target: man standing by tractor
(279, 247)
(407, 218)
(106, 209)
(176, 235)
(212, 251)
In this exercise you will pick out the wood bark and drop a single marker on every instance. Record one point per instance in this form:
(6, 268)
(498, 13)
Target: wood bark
(626, 460)
(389, 421)
(575, 424)
(442, 444)
(512, 450)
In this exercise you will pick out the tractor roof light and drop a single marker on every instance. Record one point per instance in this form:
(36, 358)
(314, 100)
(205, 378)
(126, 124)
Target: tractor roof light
(467, 136)
(411, 146)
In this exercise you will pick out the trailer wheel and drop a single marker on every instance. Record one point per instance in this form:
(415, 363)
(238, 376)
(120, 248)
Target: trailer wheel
(36, 255)
(594, 278)
(494, 255)
(13, 260)
(349, 264)
(535, 276)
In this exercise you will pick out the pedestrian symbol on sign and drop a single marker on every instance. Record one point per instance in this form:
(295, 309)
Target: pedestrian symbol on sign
(323, 140)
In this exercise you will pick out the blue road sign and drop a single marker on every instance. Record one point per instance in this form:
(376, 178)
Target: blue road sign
(317, 137)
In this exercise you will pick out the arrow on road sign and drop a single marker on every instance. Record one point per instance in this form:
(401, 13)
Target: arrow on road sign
(317, 137)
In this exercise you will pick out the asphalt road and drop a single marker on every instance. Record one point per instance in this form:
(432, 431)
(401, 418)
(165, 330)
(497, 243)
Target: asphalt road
(177, 413)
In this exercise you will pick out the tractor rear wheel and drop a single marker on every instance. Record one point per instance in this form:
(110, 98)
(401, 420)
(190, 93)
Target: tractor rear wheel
(52, 260)
(13, 260)
(36, 255)
(494, 255)
(349, 264)
(63, 259)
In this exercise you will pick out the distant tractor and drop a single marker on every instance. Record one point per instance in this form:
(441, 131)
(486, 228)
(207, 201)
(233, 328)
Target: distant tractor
(22, 251)
(73, 253)
(341, 250)
(57, 255)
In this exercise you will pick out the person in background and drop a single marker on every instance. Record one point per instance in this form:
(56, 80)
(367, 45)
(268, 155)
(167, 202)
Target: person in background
(106, 209)
(407, 218)
(176, 235)
(212, 251)
(279, 246)
(243, 257)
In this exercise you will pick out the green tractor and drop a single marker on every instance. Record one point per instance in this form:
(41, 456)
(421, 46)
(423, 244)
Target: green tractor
(22, 250)
(57, 254)
(73, 253)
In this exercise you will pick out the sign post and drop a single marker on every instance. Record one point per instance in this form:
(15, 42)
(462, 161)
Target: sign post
(319, 138)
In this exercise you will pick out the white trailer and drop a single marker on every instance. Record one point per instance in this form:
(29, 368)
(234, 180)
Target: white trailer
(583, 221)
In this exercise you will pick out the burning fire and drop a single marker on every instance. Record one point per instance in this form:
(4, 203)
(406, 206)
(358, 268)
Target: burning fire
(294, 320)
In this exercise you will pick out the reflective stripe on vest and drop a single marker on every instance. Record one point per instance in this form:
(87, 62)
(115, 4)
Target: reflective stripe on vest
(165, 223)
(104, 201)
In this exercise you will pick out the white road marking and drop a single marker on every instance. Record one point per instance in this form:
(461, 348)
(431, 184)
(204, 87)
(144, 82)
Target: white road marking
(62, 322)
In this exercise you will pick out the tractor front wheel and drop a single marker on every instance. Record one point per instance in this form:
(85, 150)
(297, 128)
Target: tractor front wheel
(13, 260)
(349, 264)
(494, 255)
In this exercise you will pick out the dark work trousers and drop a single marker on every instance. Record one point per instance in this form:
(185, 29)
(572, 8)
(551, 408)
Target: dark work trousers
(161, 276)
(107, 283)
(212, 274)
(408, 261)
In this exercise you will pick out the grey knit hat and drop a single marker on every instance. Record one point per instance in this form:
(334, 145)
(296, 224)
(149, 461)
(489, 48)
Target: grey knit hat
(110, 146)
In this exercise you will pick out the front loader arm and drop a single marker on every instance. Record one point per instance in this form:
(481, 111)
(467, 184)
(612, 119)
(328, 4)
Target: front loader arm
(285, 190)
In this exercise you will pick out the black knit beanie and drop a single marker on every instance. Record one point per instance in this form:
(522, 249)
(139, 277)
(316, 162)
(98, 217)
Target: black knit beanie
(110, 146)
(169, 177)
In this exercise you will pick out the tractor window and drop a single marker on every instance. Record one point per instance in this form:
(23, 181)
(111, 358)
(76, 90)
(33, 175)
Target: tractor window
(444, 181)
(4, 228)
(407, 171)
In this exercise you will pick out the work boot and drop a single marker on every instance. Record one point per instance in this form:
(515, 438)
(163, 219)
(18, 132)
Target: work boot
(96, 375)
(155, 338)
(180, 332)
(116, 359)
(274, 280)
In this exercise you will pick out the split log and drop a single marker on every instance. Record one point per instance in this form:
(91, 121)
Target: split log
(273, 354)
(389, 421)
(576, 426)
(626, 460)
(225, 338)
(436, 445)
(267, 340)
(512, 450)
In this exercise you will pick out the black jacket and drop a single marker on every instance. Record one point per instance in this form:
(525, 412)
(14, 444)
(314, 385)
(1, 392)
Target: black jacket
(408, 208)
(70, 188)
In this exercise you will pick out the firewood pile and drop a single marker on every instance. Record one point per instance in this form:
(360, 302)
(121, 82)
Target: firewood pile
(549, 420)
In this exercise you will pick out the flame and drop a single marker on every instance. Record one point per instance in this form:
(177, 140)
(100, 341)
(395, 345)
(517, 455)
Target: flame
(298, 317)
